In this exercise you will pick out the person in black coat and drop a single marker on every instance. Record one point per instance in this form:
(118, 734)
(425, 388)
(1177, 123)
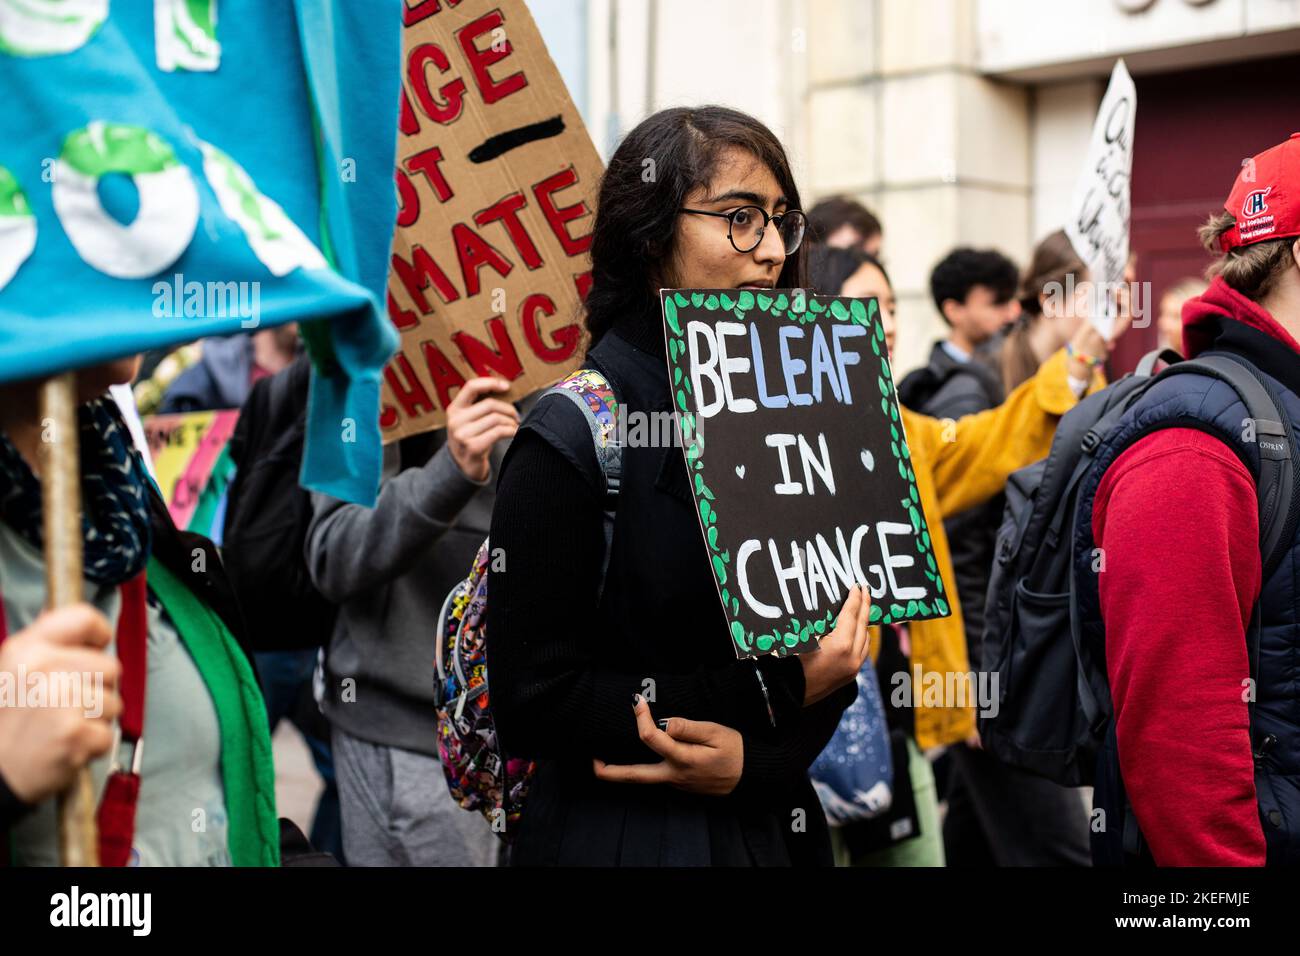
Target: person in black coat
(655, 745)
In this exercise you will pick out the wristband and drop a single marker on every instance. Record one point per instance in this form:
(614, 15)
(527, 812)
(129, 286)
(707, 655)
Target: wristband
(1088, 360)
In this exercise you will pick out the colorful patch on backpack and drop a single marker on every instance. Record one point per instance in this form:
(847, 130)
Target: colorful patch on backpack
(479, 775)
(596, 392)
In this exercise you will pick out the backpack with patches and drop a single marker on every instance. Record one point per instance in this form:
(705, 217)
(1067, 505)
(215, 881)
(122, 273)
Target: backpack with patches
(479, 774)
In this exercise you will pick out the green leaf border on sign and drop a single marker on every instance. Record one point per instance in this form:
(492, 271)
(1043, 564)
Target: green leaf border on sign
(803, 310)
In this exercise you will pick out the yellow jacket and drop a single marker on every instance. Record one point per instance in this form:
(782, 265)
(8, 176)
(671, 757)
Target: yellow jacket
(959, 464)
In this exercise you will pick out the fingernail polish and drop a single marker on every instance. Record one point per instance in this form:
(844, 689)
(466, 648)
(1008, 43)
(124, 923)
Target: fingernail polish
(662, 724)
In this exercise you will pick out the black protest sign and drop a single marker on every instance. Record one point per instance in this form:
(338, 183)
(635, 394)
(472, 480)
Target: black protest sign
(800, 470)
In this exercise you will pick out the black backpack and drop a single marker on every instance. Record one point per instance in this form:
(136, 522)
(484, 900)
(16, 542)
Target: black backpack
(267, 516)
(1054, 708)
(922, 384)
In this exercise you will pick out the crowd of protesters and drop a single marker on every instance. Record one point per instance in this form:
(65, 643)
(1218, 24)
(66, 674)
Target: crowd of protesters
(710, 768)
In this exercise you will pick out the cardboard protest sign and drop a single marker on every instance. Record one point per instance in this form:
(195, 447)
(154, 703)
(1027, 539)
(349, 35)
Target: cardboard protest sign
(191, 463)
(799, 466)
(1099, 221)
(496, 179)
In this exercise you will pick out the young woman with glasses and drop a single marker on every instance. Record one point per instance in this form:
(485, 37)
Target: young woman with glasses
(655, 745)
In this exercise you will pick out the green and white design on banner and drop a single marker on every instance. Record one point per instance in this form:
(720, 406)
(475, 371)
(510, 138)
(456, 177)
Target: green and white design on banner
(280, 244)
(17, 227)
(185, 35)
(46, 27)
(169, 200)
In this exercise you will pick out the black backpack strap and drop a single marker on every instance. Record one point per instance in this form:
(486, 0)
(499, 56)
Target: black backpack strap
(920, 384)
(1095, 709)
(578, 388)
(1095, 435)
(1276, 481)
(1147, 366)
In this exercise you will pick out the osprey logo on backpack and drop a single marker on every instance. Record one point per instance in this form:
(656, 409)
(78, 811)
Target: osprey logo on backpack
(480, 775)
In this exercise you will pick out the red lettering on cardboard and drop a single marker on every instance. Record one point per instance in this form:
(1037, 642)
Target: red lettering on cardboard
(418, 273)
(506, 211)
(407, 388)
(407, 121)
(422, 11)
(449, 107)
(556, 217)
(445, 377)
(427, 161)
(479, 60)
(408, 200)
(566, 337)
(583, 283)
(402, 318)
(474, 253)
(484, 360)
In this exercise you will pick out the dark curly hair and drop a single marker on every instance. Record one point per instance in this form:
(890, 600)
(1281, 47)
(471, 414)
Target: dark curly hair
(649, 177)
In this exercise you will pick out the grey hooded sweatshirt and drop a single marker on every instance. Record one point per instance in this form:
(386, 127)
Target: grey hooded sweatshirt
(389, 569)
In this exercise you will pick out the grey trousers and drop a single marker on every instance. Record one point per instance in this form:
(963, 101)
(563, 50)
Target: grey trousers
(397, 810)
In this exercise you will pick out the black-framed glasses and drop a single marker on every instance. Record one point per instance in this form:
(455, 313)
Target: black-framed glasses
(747, 225)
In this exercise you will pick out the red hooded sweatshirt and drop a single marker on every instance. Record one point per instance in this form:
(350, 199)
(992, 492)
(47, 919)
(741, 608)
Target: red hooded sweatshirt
(1177, 519)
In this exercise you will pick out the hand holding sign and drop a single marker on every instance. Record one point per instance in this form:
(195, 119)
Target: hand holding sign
(793, 492)
(41, 748)
(840, 655)
(475, 423)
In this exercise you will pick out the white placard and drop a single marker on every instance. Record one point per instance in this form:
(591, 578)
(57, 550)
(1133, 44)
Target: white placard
(1099, 219)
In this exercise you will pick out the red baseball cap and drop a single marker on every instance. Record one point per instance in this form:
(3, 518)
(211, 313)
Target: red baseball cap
(1265, 199)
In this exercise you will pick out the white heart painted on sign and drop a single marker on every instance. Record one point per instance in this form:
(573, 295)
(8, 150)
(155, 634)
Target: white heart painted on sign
(740, 471)
(868, 460)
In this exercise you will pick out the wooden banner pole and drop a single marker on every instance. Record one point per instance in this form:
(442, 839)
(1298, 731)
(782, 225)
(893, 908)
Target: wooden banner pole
(61, 508)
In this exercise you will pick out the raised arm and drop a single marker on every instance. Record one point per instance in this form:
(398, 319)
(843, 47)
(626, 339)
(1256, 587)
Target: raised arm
(351, 549)
(972, 457)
